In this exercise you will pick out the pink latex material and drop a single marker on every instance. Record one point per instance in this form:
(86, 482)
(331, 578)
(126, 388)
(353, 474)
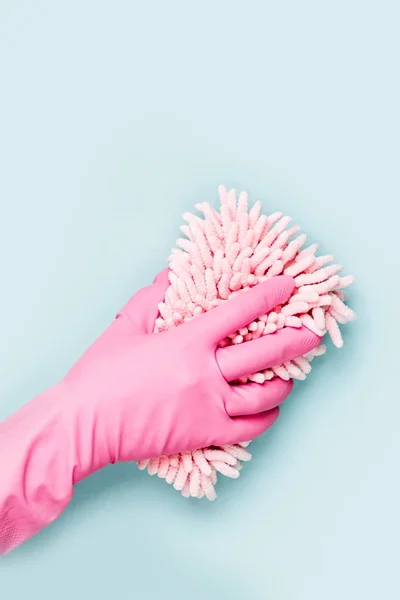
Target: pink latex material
(135, 395)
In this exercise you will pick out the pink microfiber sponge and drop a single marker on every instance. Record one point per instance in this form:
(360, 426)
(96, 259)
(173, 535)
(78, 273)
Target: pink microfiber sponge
(224, 253)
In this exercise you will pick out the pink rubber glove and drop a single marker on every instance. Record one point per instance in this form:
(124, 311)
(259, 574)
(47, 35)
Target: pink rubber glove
(136, 395)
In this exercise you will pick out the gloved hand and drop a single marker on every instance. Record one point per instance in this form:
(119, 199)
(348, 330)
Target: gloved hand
(135, 395)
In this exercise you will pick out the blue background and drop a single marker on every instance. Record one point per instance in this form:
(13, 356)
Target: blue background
(115, 118)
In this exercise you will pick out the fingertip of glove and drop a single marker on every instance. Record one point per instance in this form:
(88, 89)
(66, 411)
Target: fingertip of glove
(163, 277)
(286, 284)
(310, 339)
(281, 286)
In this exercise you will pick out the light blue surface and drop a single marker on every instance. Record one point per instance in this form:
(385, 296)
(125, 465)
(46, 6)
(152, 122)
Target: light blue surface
(115, 118)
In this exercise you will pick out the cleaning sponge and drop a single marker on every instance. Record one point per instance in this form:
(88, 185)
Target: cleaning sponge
(223, 253)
